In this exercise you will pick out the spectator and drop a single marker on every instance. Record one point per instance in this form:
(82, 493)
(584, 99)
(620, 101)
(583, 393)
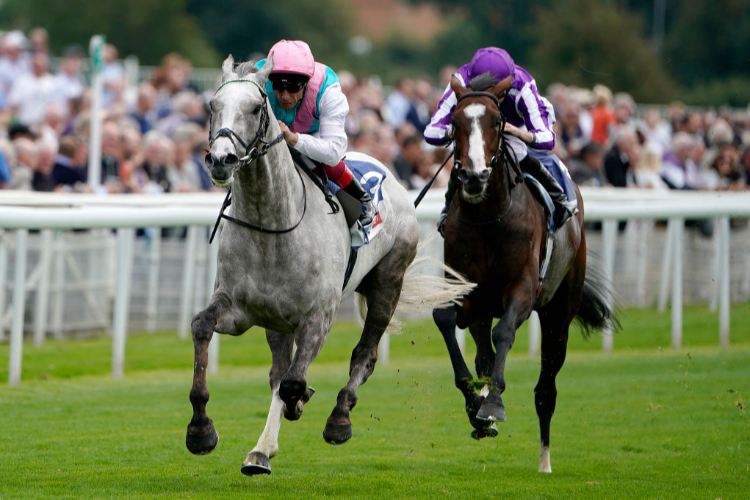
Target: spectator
(4, 171)
(405, 163)
(399, 102)
(39, 40)
(602, 116)
(656, 131)
(419, 111)
(144, 112)
(113, 77)
(570, 135)
(43, 179)
(69, 81)
(586, 168)
(32, 92)
(51, 129)
(69, 167)
(617, 162)
(624, 108)
(182, 172)
(155, 156)
(646, 170)
(678, 169)
(22, 172)
(112, 153)
(14, 62)
(724, 173)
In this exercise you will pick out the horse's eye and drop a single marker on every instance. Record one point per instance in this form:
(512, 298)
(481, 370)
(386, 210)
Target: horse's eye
(256, 109)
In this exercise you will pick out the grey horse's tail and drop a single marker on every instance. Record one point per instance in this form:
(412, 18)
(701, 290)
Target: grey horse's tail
(425, 287)
(597, 310)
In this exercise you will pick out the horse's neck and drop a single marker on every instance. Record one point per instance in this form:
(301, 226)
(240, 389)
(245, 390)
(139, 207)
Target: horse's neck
(268, 191)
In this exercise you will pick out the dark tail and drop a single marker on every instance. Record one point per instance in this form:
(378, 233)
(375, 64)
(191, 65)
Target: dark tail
(597, 305)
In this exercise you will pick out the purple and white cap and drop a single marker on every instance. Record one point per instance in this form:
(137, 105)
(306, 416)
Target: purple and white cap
(493, 60)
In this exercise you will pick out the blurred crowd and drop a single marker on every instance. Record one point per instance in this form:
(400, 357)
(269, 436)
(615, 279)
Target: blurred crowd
(154, 134)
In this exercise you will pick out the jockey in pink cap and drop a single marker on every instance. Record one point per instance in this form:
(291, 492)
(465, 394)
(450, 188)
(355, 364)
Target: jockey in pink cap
(311, 108)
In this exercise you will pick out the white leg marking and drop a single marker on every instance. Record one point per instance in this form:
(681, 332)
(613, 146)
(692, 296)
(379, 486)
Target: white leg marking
(544, 461)
(476, 139)
(485, 391)
(268, 443)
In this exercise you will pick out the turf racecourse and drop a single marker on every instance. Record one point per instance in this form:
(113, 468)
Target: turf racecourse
(645, 422)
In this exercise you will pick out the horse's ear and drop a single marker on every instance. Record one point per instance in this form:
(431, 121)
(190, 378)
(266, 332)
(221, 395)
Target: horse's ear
(457, 88)
(499, 89)
(262, 75)
(227, 69)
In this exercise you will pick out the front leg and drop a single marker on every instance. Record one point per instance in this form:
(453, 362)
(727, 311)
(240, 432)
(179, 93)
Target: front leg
(503, 336)
(445, 319)
(201, 436)
(258, 460)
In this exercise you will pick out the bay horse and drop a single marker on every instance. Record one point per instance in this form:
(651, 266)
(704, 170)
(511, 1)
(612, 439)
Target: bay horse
(282, 264)
(496, 236)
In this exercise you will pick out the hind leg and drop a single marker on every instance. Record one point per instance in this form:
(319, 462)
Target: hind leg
(382, 287)
(555, 318)
(310, 337)
(258, 460)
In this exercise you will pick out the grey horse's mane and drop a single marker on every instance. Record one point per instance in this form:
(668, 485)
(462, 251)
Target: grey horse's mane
(483, 81)
(246, 68)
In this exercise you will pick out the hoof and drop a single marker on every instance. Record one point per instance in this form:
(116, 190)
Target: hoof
(483, 432)
(491, 412)
(256, 463)
(202, 445)
(337, 433)
(293, 394)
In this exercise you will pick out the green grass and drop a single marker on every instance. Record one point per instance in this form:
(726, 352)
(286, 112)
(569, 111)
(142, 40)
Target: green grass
(645, 422)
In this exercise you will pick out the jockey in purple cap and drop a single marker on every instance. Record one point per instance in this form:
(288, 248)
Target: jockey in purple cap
(529, 123)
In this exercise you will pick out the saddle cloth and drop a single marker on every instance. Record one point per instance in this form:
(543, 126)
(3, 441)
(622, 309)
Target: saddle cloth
(370, 176)
(558, 170)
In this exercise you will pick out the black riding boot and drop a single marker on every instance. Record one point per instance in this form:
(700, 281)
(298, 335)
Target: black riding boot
(563, 208)
(369, 210)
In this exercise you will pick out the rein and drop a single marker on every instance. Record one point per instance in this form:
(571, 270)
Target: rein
(257, 148)
(502, 150)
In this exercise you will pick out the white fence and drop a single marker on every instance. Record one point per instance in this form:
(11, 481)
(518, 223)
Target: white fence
(109, 272)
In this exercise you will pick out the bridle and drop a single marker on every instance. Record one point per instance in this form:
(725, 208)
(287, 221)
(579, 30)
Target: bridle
(257, 148)
(501, 151)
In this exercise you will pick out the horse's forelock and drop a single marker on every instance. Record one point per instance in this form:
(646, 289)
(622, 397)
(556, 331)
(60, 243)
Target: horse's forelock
(246, 68)
(483, 82)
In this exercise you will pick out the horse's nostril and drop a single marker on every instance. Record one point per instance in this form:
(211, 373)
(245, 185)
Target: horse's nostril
(209, 160)
(231, 159)
(463, 175)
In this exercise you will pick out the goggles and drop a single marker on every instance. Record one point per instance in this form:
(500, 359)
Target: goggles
(290, 84)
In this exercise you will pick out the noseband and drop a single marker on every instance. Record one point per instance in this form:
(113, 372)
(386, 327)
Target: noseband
(258, 147)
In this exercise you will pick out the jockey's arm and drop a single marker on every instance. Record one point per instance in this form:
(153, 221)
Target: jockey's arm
(439, 131)
(538, 116)
(331, 144)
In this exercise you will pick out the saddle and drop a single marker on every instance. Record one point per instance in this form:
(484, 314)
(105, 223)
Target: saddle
(314, 169)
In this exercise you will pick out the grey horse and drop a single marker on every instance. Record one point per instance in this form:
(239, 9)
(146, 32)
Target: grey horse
(288, 277)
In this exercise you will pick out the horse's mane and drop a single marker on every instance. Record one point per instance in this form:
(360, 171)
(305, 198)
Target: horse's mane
(483, 81)
(246, 68)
